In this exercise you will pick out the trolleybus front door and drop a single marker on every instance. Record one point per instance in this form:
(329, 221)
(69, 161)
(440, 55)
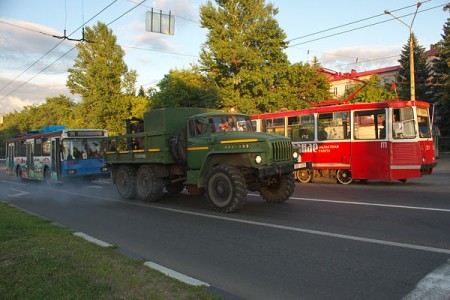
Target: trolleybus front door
(56, 158)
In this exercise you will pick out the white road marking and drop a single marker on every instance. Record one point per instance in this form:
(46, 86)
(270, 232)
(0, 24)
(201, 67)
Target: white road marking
(435, 285)
(368, 204)
(92, 239)
(18, 194)
(275, 226)
(174, 274)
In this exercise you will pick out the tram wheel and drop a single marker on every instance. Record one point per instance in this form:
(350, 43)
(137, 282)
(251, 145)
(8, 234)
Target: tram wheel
(344, 176)
(304, 176)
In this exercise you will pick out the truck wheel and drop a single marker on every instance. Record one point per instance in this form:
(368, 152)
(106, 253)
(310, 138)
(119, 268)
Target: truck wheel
(126, 182)
(226, 190)
(178, 145)
(149, 187)
(280, 188)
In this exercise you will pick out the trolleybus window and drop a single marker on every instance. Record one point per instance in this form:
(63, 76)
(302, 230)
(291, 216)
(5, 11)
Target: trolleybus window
(369, 124)
(333, 126)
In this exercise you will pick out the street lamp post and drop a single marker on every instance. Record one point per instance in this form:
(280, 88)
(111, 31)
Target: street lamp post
(411, 50)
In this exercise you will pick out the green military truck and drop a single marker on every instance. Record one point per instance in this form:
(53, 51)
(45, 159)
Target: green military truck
(205, 151)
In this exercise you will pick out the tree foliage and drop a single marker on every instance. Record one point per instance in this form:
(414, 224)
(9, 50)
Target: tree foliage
(243, 53)
(421, 72)
(101, 77)
(441, 76)
(372, 92)
(185, 88)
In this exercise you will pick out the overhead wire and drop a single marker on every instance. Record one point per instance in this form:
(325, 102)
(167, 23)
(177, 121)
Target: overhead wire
(361, 27)
(25, 82)
(353, 22)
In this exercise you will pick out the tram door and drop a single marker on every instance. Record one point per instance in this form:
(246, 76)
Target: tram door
(370, 154)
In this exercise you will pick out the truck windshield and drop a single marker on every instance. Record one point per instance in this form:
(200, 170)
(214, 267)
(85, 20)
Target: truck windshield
(230, 123)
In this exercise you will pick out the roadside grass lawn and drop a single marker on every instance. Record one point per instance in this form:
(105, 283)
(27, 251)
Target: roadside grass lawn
(39, 260)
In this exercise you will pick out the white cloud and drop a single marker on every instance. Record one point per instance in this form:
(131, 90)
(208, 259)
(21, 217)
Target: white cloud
(361, 57)
(30, 72)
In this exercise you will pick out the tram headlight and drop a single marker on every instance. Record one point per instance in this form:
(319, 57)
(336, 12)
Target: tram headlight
(258, 159)
(105, 169)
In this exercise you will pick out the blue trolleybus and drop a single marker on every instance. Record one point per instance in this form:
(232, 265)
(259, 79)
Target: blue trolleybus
(57, 154)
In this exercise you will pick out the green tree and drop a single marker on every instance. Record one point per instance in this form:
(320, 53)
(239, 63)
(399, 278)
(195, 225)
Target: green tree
(243, 53)
(101, 77)
(372, 92)
(441, 78)
(309, 84)
(185, 88)
(59, 110)
(421, 72)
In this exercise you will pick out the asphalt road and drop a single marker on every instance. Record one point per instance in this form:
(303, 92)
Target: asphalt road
(375, 240)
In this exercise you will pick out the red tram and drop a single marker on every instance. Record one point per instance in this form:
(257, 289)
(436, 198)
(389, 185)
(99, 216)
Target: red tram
(389, 140)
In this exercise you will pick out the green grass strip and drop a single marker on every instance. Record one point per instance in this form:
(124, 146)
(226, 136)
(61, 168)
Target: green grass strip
(39, 260)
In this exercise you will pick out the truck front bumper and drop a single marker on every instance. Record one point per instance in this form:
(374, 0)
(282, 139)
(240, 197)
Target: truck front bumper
(282, 169)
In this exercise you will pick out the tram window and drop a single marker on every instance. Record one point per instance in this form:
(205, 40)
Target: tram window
(333, 126)
(423, 120)
(301, 128)
(369, 124)
(403, 124)
(274, 126)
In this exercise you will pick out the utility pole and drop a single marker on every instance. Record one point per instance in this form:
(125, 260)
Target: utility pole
(411, 50)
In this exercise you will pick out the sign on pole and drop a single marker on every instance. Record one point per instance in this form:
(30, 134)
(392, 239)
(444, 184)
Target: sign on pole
(159, 22)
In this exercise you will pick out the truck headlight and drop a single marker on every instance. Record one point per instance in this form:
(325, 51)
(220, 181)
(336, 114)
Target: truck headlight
(295, 155)
(258, 159)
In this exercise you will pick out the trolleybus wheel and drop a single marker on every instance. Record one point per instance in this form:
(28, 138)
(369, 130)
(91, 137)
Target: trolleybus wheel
(126, 182)
(149, 187)
(226, 190)
(402, 180)
(344, 176)
(304, 176)
(279, 189)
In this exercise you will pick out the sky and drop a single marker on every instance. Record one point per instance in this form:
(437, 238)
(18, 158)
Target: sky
(343, 35)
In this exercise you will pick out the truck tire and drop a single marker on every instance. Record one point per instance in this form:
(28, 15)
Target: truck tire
(149, 187)
(126, 182)
(281, 188)
(178, 145)
(226, 190)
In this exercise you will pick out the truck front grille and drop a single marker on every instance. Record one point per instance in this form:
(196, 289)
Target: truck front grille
(282, 151)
